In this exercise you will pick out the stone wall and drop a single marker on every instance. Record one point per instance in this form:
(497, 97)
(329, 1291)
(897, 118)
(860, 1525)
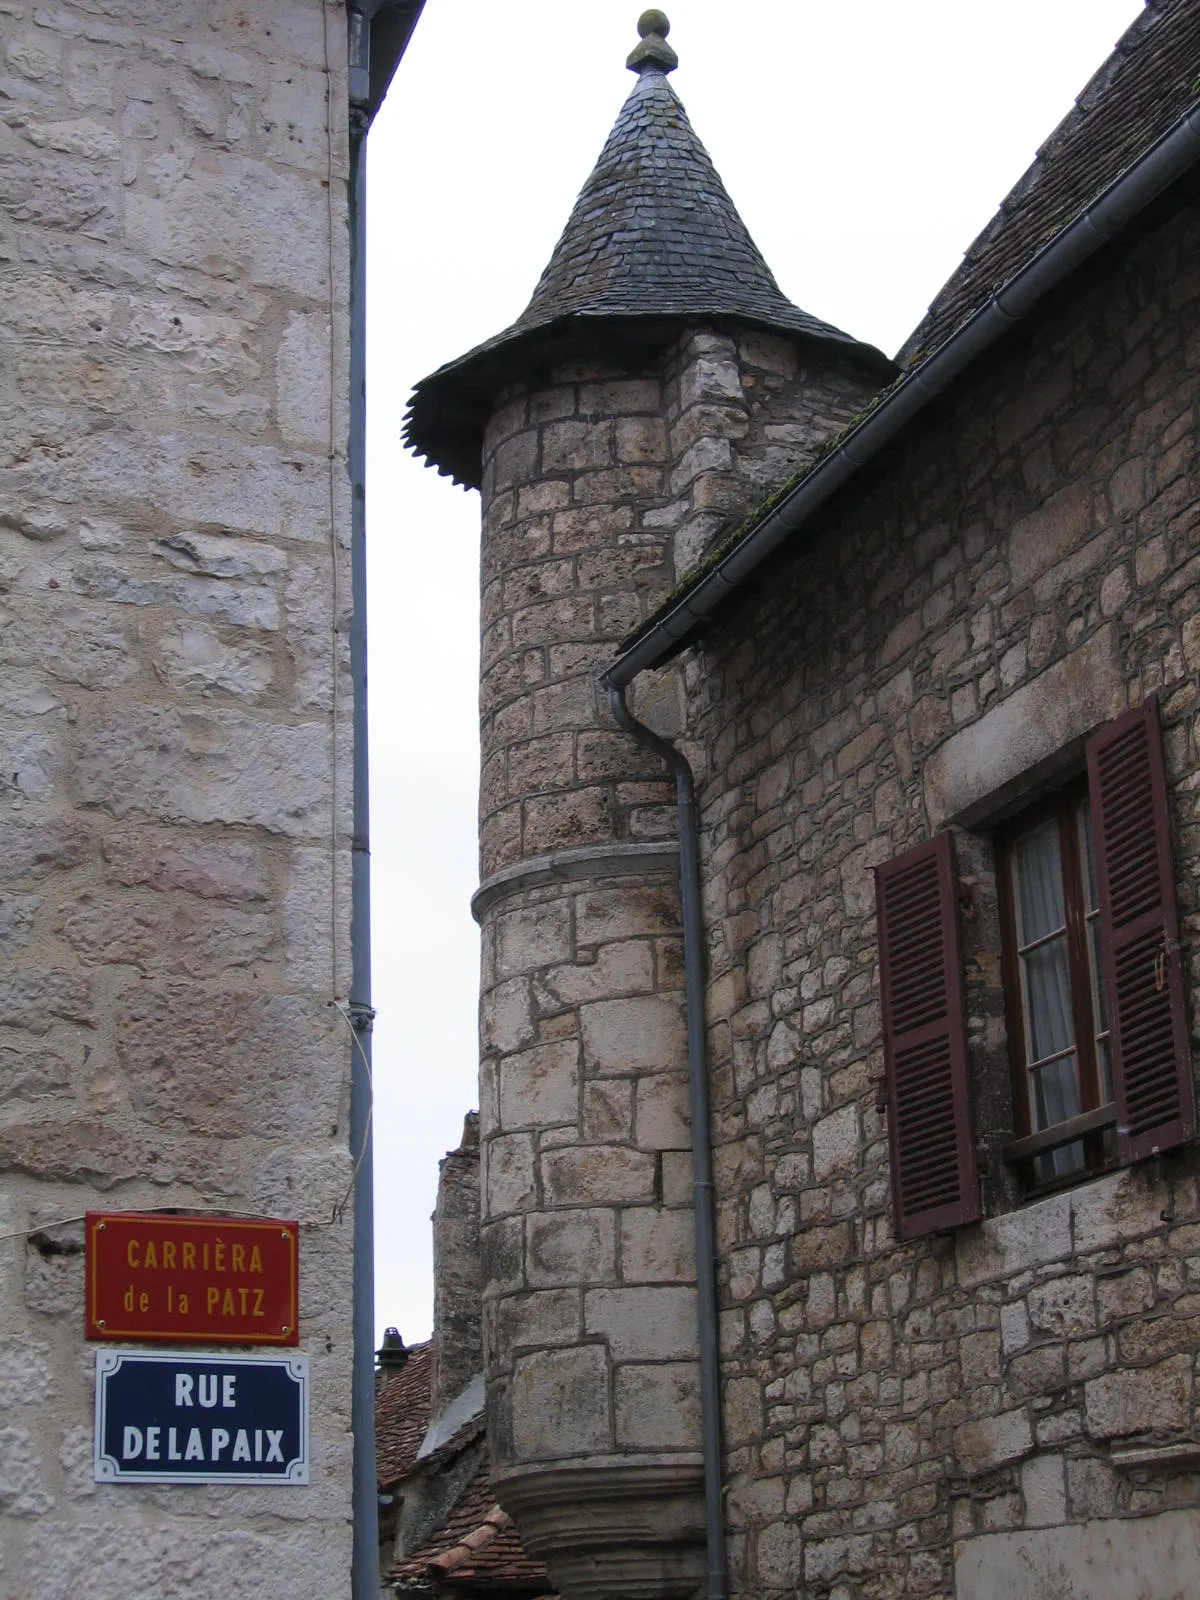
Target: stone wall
(176, 772)
(457, 1317)
(1024, 567)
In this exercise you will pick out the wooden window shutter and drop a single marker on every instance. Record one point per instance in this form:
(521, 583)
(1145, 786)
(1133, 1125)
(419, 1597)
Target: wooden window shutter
(934, 1179)
(1139, 924)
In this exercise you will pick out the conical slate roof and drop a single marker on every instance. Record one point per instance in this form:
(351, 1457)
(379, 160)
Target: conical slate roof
(654, 240)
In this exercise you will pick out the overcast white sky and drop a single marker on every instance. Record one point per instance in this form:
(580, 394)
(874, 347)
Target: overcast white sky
(865, 143)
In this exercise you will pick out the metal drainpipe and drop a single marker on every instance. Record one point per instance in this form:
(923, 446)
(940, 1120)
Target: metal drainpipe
(364, 1581)
(702, 1181)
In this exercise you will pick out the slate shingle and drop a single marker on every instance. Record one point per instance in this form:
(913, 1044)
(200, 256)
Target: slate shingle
(653, 238)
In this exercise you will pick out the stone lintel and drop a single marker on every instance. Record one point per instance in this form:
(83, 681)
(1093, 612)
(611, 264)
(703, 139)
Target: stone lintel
(1032, 735)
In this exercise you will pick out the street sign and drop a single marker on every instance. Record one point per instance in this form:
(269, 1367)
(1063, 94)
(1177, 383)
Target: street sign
(167, 1418)
(192, 1280)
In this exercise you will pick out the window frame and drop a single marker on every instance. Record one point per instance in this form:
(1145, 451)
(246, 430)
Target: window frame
(1064, 805)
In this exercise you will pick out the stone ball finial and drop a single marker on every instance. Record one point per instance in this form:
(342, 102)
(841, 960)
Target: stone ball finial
(654, 54)
(654, 22)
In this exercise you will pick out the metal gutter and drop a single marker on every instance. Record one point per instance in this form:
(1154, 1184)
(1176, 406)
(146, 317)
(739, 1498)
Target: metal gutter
(1125, 197)
(364, 1578)
(702, 1179)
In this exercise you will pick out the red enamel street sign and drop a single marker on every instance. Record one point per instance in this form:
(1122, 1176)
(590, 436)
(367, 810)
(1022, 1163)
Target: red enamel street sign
(192, 1280)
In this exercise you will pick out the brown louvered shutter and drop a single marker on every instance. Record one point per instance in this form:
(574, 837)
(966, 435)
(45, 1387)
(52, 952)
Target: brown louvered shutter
(1139, 927)
(934, 1181)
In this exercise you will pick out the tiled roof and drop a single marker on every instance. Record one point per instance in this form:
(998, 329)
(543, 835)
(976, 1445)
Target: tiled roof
(653, 236)
(402, 1414)
(477, 1547)
(1143, 87)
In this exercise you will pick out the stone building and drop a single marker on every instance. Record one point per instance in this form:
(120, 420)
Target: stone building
(899, 996)
(179, 295)
(441, 1531)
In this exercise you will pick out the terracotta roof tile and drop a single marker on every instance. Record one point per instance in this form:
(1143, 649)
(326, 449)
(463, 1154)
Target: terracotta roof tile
(477, 1547)
(402, 1414)
(1143, 87)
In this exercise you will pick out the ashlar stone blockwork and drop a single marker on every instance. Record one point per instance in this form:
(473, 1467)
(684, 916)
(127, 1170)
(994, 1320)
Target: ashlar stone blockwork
(171, 516)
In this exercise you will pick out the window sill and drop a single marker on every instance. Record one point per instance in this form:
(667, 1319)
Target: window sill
(1036, 1144)
(1181, 1457)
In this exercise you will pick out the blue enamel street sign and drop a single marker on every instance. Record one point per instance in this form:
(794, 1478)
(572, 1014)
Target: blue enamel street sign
(201, 1419)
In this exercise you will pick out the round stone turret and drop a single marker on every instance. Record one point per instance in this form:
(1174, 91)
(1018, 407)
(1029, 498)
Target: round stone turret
(656, 385)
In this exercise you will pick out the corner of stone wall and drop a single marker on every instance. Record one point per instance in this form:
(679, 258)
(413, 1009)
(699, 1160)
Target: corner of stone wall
(745, 410)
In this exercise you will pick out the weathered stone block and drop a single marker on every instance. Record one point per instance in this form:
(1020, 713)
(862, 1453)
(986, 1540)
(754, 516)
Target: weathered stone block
(713, 377)
(526, 940)
(22, 1490)
(182, 940)
(505, 1016)
(31, 998)
(644, 1034)
(656, 1323)
(1034, 724)
(218, 766)
(597, 1175)
(1143, 1400)
(1048, 534)
(779, 1549)
(742, 1410)
(822, 1246)
(29, 1075)
(608, 1111)
(658, 1246)
(986, 1443)
(540, 1087)
(565, 821)
(625, 968)
(835, 1143)
(661, 1112)
(561, 1403)
(605, 915)
(1097, 1560)
(26, 1373)
(519, 1322)
(508, 1175)
(657, 1407)
(193, 657)
(275, 222)
(1116, 1208)
(826, 1559)
(165, 1031)
(571, 1247)
(1002, 1246)
(1063, 1307)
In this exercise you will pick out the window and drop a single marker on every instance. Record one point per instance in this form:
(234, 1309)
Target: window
(1058, 1033)
(1094, 989)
